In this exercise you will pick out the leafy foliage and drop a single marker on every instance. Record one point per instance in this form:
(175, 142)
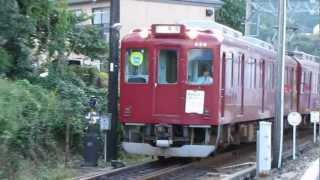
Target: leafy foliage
(28, 116)
(35, 112)
(33, 28)
(232, 14)
(306, 43)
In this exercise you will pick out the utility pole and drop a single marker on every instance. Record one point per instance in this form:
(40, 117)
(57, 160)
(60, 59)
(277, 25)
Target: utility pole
(248, 17)
(277, 139)
(113, 80)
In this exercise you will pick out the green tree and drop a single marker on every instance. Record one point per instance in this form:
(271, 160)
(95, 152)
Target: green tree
(36, 34)
(30, 29)
(305, 43)
(232, 14)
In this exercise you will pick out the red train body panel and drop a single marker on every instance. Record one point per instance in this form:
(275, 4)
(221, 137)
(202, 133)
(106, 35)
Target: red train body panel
(180, 86)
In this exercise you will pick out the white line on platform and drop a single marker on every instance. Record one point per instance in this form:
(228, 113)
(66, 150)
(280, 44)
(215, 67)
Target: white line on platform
(313, 172)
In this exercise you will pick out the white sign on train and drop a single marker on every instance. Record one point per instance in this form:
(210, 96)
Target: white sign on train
(294, 118)
(315, 116)
(194, 101)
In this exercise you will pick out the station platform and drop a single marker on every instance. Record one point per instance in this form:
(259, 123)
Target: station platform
(313, 171)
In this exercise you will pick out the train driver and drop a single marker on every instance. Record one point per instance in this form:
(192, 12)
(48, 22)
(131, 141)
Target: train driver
(205, 78)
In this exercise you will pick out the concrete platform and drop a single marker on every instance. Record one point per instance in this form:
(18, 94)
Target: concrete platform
(313, 172)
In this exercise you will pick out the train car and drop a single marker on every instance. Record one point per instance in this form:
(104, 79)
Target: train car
(187, 89)
(309, 78)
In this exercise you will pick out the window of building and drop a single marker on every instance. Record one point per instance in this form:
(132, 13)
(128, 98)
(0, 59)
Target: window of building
(137, 66)
(200, 66)
(168, 67)
(77, 12)
(101, 16)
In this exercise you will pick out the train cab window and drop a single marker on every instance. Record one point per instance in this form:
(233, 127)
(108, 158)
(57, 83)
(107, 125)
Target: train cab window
(200, 66)
(167, 67)
(137, 66)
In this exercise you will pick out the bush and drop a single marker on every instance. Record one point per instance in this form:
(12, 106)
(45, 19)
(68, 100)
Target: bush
(28, 116)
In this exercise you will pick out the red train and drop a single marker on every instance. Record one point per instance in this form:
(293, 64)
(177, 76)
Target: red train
(188, 89)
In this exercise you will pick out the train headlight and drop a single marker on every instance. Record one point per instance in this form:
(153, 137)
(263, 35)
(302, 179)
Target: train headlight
(192, 34)
(144, 34)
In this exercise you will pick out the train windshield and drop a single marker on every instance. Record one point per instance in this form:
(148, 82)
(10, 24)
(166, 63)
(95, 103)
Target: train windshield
(137, 66)
(200, 66)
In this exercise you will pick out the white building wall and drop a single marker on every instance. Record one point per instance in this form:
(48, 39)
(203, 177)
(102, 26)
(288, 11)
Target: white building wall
(143, 13)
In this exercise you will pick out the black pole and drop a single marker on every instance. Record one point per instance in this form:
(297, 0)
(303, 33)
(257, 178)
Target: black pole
(113, 80)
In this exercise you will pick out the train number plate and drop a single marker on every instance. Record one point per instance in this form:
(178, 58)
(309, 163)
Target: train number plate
(194, 101)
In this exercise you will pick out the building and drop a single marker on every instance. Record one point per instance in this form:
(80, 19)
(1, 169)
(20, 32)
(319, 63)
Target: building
(140, 14)
(143, 13)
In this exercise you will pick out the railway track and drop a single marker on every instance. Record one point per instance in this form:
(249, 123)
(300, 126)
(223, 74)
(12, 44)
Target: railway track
(233, 164)
(232, 167)
(136, 171)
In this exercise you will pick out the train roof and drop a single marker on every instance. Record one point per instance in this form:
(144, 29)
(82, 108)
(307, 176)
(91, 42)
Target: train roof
(307, 61)
(229, 36)
(304, 56)
(227, 32)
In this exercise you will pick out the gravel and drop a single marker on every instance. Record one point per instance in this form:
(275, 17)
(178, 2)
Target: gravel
(294, 169)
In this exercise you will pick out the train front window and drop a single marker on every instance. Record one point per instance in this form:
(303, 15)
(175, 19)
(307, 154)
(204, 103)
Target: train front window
(137, 70)
(167, 67)
(200, 66)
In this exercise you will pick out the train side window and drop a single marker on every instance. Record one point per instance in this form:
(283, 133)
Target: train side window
(137, 66)
(286, 76)
(229, 70)
(254, 74)
(200, 66)
(249, 76)
(273, 75)
(292, 79)
(318, 83)
(236, 67)
(314, 83)
(262, 73)
(303, 74)
(168, 67)
(266, 75)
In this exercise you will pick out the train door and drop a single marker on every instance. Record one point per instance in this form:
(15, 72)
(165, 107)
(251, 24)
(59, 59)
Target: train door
(166, 86)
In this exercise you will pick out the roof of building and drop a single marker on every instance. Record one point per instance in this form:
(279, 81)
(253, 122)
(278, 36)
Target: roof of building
(213, 3)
